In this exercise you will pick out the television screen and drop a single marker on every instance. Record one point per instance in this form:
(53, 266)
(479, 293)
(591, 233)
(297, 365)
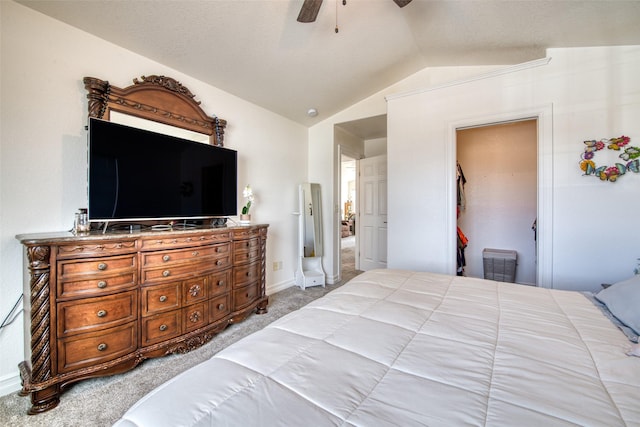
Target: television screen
(136, 174)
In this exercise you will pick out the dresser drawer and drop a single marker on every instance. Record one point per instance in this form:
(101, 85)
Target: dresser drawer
(96, 313)
(246, 251)
(96, 249)
(219, 283)
(96, 267)
(245, 274)
(156, 299)
(246, 245)
(195, 316)
(244, 296)
(95, 286)
(183, 241)
(194, 290)
(247, 256)
(161, 327)
(245, 233)
(163, 258)
(97, 347)
(171, 272)
(219, 307)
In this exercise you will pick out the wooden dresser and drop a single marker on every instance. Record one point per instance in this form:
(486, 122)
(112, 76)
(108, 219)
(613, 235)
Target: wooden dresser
(102, 303)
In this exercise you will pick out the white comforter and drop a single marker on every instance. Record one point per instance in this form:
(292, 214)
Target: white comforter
(399, 348)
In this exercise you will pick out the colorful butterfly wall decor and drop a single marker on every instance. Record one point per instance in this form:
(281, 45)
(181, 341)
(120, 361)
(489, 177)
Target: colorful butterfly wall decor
(630, 154)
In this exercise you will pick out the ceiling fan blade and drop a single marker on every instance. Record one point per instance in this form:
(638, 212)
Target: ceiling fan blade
(402, 3)
(309, 10)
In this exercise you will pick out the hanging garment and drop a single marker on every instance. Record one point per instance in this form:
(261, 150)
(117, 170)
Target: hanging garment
(534, 227)
(462, 244)
(461, 180)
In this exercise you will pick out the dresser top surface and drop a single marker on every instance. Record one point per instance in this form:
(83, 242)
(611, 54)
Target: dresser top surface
(60, 237)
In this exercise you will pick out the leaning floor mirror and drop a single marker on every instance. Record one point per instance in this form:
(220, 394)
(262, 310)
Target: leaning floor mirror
(310, 246)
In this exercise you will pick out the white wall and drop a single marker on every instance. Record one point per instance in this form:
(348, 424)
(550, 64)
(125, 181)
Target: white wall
(43, 146)
(324, 158)
(589, 93)
(375, 147)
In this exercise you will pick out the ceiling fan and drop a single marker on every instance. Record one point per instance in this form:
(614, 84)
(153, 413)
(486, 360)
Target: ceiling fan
(310, 8)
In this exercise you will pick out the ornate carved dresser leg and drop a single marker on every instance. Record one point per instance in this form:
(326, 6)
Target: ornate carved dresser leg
(43, 400)
(262, 306)
(40, 369)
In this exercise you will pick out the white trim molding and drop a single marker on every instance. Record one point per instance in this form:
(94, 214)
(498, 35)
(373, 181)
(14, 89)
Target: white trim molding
(10, 384)
(506, 70)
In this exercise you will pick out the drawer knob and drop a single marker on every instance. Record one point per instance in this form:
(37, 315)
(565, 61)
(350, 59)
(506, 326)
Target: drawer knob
(166, 258)
(163, 298)
(218, 249)
(102, 284)
(102, 266)
(221, 283)
(101, 313)
(219, 262)
(195, 316)
(248, 273)
(102, 347)
(195, 253)
(220, 306)
(194, 290)
(163, 327)
(166, 273)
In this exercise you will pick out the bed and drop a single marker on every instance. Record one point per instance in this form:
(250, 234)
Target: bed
(402, 348)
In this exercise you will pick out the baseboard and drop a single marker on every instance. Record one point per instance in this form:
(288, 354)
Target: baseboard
(272, 289)
(10, 384)
(332, 280)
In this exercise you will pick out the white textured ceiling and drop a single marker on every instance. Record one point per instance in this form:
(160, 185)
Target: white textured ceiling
(255, 49)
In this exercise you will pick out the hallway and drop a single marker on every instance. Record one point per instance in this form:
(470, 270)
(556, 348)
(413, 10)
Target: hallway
(348, 258)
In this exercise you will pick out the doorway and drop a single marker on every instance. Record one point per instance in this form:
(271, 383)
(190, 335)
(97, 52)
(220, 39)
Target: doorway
(349, 200)
(353, 140)
(497, 194)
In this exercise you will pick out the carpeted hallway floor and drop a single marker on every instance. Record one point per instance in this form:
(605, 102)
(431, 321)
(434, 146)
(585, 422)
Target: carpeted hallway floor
(101, 401)
(347, 254)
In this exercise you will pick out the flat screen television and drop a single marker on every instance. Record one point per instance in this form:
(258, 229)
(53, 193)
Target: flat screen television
(136, 174)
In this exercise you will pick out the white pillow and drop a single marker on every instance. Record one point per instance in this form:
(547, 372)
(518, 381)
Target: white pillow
(623, 301)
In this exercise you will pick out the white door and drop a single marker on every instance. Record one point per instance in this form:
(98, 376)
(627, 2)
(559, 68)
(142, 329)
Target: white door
(372, 213)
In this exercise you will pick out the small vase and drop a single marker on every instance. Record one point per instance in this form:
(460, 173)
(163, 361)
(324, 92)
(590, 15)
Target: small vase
(245, 219)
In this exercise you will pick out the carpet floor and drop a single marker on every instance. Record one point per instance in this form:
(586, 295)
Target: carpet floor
(102, 401)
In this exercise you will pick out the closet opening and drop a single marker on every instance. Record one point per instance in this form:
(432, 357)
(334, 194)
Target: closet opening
(497, 195)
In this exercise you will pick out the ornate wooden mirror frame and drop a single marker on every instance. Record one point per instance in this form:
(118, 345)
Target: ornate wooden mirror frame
(157, 98)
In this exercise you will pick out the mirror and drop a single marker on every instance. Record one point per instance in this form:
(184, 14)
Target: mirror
(159, 99)
(310, 271)
(312, 219)
(141, 123)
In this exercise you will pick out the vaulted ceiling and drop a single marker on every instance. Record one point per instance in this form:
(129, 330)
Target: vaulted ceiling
(256, 50)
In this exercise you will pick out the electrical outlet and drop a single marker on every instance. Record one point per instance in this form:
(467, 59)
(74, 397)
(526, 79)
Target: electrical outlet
(277, 265)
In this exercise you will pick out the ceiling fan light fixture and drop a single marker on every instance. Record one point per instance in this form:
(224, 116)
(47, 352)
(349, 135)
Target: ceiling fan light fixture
(312, 112)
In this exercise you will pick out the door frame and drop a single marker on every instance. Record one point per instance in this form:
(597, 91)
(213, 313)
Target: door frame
(526, 259)
(337, 232)
(544, 250)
